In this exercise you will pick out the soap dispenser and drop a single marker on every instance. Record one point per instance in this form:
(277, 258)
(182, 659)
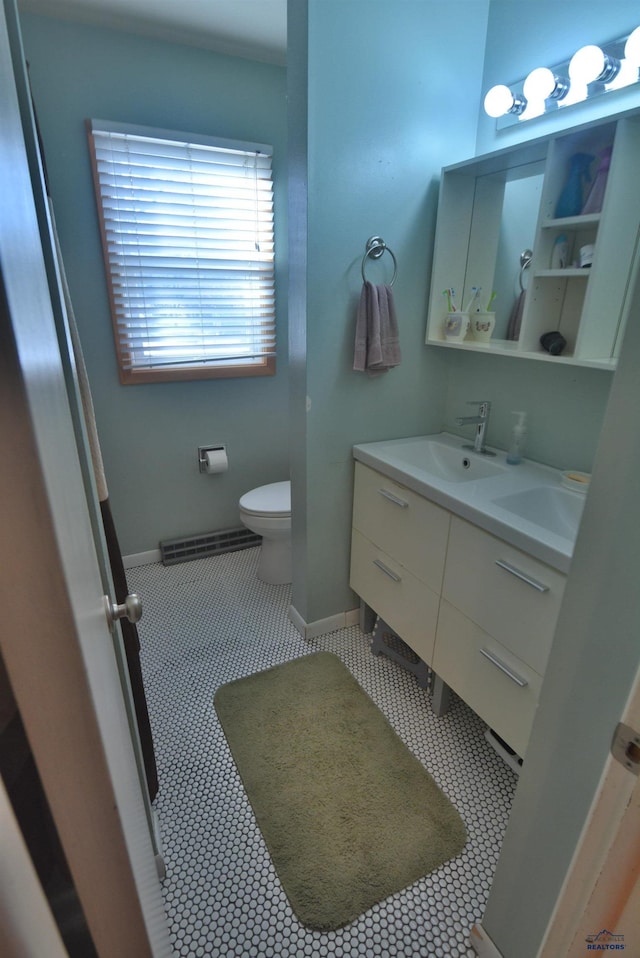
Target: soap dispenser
(518, 435)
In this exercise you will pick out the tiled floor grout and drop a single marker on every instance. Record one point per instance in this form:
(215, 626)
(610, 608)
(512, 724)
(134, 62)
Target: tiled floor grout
(210, 621)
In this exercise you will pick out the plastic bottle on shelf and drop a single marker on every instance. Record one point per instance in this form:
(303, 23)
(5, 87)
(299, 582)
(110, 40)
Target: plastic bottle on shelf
(560, 252)
(571, 199)
(593, 202)
(518, 436)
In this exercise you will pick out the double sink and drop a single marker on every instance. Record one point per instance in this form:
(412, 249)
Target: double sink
(524, 504)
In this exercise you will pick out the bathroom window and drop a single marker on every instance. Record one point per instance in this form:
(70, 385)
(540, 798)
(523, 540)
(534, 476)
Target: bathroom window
(187, 234)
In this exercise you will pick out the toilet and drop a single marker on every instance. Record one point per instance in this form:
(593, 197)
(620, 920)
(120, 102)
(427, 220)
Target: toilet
(267, 512)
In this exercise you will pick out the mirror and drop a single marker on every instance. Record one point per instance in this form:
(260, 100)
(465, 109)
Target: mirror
(503, 224)
(517, 233)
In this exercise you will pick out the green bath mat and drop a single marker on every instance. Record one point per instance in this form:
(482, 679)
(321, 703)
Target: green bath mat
(348, 814)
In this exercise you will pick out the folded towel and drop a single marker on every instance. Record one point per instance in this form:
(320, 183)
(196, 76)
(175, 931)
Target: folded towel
(377, 345)
(515, 319)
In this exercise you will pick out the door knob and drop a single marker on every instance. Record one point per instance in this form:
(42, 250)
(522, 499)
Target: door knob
(130, 609)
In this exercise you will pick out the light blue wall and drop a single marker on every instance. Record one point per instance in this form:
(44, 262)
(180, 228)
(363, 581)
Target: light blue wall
(388, 106)
(150, 433)
(565, 405)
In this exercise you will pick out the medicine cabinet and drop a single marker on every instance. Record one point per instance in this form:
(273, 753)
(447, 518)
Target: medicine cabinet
(495, 208)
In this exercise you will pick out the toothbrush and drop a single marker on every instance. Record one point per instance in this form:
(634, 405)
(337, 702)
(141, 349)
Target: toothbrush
(449, 293)
(475, 298)
(491, 299)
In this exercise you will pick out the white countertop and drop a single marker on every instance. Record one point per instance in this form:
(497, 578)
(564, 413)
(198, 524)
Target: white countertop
(474, 500)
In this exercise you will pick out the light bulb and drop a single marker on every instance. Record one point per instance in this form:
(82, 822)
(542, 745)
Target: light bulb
(586, 64)
(632, 47)
(540, 84)
(498, 100)
(589, 64)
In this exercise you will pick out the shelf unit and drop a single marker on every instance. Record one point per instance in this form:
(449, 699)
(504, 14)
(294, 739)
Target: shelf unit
(588, 306)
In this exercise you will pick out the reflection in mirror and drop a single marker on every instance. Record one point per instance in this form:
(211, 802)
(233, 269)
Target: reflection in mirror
(517, 233)
(503, 224)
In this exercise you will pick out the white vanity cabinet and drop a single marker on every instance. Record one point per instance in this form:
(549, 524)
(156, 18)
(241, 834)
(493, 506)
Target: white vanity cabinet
(478, 611)
(480, 238)
(497, 618)
(398, 546)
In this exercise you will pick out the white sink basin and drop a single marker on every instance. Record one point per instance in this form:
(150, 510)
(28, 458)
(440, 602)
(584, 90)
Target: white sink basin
(558, 510)
(444, 460)
(525, 505)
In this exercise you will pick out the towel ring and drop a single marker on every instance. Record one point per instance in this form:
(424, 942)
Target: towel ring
(525, 261)
(376, 246)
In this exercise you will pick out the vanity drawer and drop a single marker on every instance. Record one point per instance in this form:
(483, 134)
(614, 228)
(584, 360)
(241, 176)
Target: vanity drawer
(407, 527)
(510, 595)
(402, 600)
(474, 664)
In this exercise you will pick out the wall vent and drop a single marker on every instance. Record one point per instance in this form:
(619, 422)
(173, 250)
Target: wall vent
(173, 551)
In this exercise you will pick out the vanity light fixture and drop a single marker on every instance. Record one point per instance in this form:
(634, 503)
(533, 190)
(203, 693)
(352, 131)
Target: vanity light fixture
(591, 71)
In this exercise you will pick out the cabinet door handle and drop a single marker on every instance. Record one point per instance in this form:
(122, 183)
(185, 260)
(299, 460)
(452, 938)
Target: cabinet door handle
(394, 499)
(540, 586)
(387, 570)
(504, 668)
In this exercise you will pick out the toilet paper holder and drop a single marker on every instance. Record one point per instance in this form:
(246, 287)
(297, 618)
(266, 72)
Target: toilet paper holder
(202, 454)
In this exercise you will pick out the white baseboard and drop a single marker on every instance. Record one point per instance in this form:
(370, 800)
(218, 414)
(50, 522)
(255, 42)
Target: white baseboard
(482, 944)
(311, 630)
(159, 851)
(141, 558)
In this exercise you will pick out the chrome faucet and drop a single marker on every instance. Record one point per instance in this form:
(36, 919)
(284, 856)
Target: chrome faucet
(480, 421)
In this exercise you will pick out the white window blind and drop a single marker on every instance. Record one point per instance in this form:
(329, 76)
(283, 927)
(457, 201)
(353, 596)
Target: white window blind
(187, 231)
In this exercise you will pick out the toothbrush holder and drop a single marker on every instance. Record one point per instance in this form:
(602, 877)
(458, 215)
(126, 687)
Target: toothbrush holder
(456, 326)
(482, 326)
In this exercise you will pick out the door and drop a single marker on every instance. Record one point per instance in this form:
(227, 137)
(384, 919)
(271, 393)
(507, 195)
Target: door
(600, 902)
(55, 639)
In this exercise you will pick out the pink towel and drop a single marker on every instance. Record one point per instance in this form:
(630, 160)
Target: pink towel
(377, 346)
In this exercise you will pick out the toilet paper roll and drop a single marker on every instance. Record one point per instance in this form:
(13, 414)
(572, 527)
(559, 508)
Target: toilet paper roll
(216, 461)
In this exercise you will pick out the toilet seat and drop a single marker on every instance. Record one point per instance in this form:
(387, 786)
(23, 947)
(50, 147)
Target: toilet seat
(274, 499)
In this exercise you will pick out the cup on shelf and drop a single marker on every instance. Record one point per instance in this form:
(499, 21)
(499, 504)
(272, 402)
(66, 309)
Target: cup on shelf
(482, 326)
(456, 326)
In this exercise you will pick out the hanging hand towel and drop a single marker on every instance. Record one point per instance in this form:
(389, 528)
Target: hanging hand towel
(377, 346)
(515, 319)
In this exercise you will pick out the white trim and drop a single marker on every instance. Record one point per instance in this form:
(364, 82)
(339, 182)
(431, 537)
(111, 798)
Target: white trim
(311, 630)
(482, 944)
(157, 835)
(141, 558)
